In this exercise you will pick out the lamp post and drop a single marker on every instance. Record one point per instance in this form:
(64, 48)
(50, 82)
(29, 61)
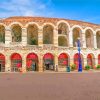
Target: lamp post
(79, 56)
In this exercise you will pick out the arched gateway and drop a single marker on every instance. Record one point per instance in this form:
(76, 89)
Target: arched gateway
(99, 59)
(48, 61)
(2, 63)
(76, 60)
(16, 62)
(90, 60)
(32, 62)
(63, 60)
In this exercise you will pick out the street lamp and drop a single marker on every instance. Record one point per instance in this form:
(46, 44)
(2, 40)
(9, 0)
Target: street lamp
(79, 55)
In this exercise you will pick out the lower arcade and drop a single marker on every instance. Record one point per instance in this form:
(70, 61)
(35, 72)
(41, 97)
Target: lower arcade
(46, 62)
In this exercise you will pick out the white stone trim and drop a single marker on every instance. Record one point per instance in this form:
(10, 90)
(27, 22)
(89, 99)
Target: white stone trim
(2, 24)
(77, 26)
(51, 24)
(15, 23)
(32, 23)
(63, 21)
(88, 28)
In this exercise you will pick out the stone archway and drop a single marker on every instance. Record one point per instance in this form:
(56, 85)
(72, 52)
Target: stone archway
(77, 33)
(99, 59)
(32, 62)
(98, 39)
(48, 34)
(76, 60)
(16, 33)
(2, 34)
(63, 61)
(16, 62)
(63, 35)
(89, 39)
(2, 63)
(32, 35)
(62, 29)
(48, 61)
(90, 60)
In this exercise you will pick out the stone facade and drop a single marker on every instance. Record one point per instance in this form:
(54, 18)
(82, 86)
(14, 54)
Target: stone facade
(68, 32)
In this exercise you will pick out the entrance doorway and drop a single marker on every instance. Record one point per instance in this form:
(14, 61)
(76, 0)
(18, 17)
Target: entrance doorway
(99, 59)
(32, 62)
(78, 58)
(16, 62)
(0, 67)
(48, 61)
(2, 63)
(63, 60)
(90, 60)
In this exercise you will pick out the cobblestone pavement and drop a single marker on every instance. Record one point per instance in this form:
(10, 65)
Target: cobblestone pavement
(50, 86)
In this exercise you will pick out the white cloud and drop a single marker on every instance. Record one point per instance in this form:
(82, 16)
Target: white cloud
(24, 8)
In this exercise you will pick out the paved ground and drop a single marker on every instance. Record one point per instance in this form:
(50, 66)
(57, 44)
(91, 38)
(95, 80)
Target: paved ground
(50, 86)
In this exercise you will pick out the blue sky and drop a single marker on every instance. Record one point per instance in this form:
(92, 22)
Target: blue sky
(84, 10)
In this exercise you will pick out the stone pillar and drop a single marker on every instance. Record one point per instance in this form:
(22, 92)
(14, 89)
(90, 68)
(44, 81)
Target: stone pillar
(70, 38)
(55, 36)
(56, 67)
(40, 37)
(96, 61)
(8, 37)
(24, 63)
(95, 42)
(71, 60)
(7, 63)
(83, 40)
(85, 61)
(40, 63)
(24, 36)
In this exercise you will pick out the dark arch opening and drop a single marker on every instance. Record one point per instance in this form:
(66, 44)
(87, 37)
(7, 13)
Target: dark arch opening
(76, 60)
(32, 35)
(16, 62)
(32, 62)
(2, 63)
(48, 34)
(48, 59)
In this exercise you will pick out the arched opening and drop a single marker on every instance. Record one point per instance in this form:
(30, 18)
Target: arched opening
(89, 39)
(98, 39)
(32, 62)
(62, 35)
(62, 41)
(32, 35)
(16, 62)
(16, 33)
(76, 34)
(48, 34)
(76, 60)
(99, 59)
(48, 61)
(2, 34)
(62, 29)
(63, 60)
(91, 60)
(2, 63)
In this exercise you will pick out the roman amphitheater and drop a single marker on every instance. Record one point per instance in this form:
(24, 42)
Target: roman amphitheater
(40, 44)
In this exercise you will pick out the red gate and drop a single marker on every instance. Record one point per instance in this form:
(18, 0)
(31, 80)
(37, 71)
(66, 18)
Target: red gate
(2, 63)
(32, 62)
(16, 62)
(63, 59)
(48, 61)
(90, 60)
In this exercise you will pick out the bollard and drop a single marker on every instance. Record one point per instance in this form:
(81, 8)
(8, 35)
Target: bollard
(68, 68)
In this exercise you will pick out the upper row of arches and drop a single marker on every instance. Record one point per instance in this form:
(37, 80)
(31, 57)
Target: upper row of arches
(54, 26)
(63, 30)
